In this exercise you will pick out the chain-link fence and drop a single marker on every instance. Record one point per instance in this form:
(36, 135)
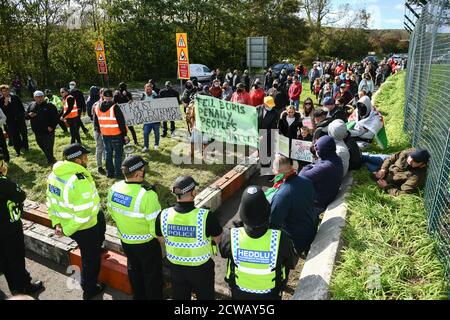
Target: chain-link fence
(427, 113)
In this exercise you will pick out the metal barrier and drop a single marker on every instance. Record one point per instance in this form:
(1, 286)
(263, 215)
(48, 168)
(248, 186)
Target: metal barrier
(427, 113)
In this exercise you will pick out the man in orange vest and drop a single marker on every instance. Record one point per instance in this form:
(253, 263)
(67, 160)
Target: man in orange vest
(109, 120)
(70, 115)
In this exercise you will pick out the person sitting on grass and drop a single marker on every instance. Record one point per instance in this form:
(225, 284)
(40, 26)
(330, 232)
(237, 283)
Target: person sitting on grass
(401, 173)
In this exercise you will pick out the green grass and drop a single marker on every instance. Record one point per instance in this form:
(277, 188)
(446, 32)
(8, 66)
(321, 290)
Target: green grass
(30, 170)
(387, 252)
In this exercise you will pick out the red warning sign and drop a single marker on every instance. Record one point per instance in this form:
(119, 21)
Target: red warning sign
(183, 70)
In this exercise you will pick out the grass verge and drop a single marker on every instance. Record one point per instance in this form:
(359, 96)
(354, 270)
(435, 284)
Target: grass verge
(387, 252)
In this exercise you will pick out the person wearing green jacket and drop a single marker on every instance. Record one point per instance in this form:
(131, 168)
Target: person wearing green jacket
(73, 206)
(56, 101)
(133, 204)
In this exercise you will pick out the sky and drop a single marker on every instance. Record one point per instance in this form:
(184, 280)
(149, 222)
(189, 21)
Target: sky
(385, 14)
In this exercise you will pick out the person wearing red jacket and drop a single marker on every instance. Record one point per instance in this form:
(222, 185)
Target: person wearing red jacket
(257, 94)
(216, 89)
(241, 96)
(295, 90)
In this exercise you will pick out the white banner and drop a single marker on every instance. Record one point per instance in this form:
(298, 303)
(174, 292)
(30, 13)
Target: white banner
(160, 109)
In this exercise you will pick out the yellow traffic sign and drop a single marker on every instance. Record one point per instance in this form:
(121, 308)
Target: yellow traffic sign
(101, 57)
(182, 56)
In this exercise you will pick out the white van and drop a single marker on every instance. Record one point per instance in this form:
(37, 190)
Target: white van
(201, 72)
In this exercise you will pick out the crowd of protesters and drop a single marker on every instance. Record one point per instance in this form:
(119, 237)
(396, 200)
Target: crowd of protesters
(301, 191)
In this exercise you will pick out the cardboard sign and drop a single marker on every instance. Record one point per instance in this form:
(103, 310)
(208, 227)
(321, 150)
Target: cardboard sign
(227, 121)
(282, 145)
(162, 109)
(307, 122)
(300, 150)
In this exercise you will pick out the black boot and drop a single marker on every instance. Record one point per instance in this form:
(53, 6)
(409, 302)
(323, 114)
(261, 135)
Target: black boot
(98, 289)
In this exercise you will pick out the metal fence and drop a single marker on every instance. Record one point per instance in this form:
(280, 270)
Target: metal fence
(427, 113)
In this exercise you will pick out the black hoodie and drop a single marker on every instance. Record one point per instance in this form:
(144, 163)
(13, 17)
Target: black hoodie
(105, 106)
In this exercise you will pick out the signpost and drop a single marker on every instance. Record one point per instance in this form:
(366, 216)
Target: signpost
(182, 57)
(101, 57)
(256, 52)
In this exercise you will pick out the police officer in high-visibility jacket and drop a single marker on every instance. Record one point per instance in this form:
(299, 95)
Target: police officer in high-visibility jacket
(73, 206)
(259, 258)
(188, 233)
(12, 247)
(133, 204)
(70, 115)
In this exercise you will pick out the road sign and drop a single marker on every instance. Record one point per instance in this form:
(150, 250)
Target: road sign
(182, 56)
(256, 52)
(101, 57)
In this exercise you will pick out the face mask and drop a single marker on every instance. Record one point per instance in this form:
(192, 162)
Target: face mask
(71, 87)
(325, 109)
(275, 85)
(268, 108)
(188, 86)
(217, 85)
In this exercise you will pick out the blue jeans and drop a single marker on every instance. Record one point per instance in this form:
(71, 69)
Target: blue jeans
(373, 162)
(113, 145)
(295, 103)
(148, 127)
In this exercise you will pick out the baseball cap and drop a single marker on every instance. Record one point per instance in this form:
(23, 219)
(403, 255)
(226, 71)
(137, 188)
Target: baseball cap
(269, 101)
(328, 101)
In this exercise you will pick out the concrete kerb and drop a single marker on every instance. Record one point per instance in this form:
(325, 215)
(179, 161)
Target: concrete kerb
(314, 282)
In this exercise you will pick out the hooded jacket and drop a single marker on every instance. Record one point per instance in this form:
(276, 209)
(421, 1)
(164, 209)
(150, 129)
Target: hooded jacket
(338, 131)
(94, 96)
(325, 173)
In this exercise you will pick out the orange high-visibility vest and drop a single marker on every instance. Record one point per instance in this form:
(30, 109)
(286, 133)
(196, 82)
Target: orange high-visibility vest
(74, 112)
(107, 121)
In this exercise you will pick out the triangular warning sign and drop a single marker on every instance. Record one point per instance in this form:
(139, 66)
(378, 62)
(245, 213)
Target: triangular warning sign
(100, 57)
(182, 56)
(99, 47)
(181, 42)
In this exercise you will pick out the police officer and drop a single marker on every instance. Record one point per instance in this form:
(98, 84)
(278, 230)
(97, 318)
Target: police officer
(188, 233)
(12, 247)
(133, 204)
(73, 206)
(259, 258)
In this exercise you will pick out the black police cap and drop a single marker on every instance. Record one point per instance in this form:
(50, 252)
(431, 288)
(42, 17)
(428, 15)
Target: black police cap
(183, 185)
(74, 150)
(133, 163)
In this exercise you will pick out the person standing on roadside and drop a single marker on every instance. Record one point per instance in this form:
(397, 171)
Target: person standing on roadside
(14, 111)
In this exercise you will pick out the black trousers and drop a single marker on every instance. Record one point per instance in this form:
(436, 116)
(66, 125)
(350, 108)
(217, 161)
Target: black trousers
(12, 257)
(145, 269)
(133, 133)
(186, 280)
(46, 141)
(81, 124)
(4, 146)
(18, 133)
(172, 127)
(90, 241)
(63, 126)
(74, 128)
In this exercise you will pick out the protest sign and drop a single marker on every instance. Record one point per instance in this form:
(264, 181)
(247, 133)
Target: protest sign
(307, 122)
(162, 109)
(300, 150)
(227, 121)
(282, 144)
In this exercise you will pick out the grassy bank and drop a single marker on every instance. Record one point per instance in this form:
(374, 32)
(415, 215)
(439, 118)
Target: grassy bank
(387, 252)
